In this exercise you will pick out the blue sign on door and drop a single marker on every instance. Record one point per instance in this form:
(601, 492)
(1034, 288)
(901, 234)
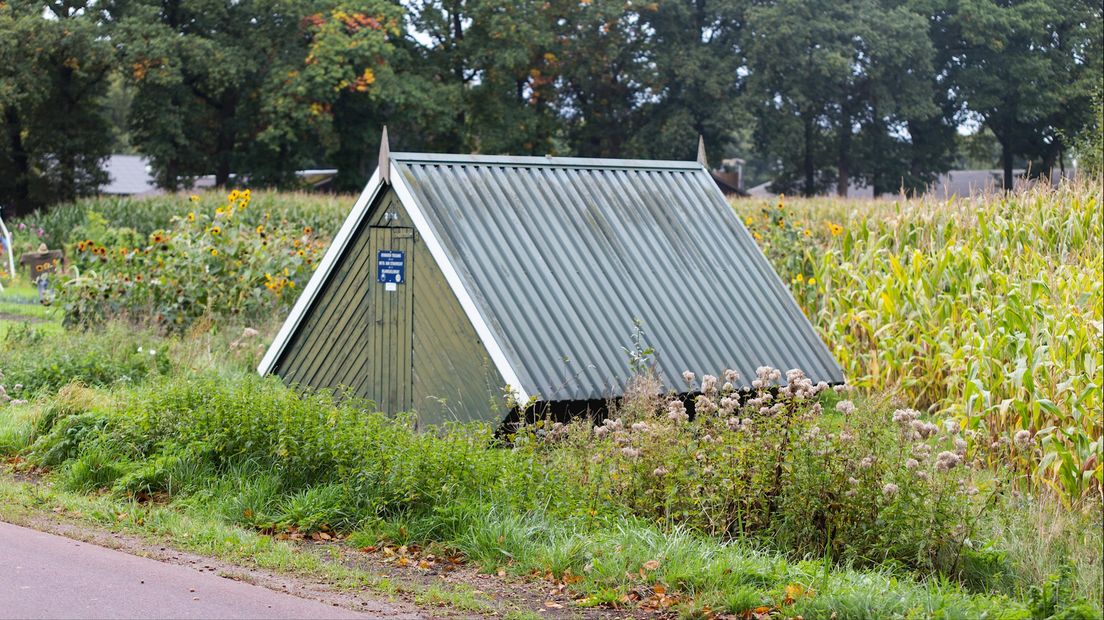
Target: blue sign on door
(390, 267)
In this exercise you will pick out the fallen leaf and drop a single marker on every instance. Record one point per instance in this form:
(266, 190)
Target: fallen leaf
(553, 605)
(651, 565)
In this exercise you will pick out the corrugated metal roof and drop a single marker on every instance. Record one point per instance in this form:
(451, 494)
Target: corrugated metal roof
(562, 254)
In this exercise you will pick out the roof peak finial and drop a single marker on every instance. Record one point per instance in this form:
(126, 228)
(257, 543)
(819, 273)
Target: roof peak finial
(701, 151)
(385, 157)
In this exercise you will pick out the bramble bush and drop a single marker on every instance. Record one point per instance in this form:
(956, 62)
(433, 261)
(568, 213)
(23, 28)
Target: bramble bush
(221, 265)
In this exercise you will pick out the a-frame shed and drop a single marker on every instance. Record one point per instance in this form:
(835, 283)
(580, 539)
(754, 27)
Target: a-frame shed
(455, 276)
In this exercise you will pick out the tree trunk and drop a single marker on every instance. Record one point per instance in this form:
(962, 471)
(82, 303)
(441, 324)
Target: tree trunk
(810, 170)
(21, 162)
(844, 155)
(1006, 162)
(1050, 160)
(226, 141)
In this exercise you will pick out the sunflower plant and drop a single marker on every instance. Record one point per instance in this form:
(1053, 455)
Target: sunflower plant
(219, 264)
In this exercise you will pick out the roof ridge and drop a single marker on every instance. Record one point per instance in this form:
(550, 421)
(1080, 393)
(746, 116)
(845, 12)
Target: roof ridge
(544, 160)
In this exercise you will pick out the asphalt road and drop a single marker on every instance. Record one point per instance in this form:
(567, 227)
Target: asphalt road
(48, 576)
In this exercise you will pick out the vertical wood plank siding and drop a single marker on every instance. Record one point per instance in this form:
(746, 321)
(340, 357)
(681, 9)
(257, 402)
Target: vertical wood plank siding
(376, 343)
(454, 378)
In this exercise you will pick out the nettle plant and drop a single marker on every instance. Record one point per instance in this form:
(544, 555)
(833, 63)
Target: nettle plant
(222, 264)
(862, 485)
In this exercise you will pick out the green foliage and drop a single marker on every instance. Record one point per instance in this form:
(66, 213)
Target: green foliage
(1000, 42)
(35, 359)
(54, 67)
(200, 266)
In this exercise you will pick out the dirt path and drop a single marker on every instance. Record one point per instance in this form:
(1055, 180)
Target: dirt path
(50, 576)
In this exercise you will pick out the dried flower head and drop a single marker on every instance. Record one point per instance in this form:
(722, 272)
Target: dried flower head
(946, 461)
(904, 417)
(889, 489)
(1022, 439)
(845, 407)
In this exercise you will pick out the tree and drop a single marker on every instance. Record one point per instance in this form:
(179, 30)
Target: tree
(1027, 69)
(198, 69)
(907, 138)
(498, 58)
(54, 70)
(697, 50)
(798, 55)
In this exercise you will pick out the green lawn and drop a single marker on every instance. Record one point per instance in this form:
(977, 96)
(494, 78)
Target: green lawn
(19, 304)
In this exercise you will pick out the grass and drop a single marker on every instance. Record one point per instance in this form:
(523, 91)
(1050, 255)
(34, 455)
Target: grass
(19, 303)
(206, 534)
(220, 507)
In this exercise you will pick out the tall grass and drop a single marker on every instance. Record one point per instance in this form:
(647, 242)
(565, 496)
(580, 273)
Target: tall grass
(989, 309)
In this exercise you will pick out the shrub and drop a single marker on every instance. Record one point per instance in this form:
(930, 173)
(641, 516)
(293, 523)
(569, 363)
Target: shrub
(864, 486)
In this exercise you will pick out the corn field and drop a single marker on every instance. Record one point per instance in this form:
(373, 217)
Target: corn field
(986, 309)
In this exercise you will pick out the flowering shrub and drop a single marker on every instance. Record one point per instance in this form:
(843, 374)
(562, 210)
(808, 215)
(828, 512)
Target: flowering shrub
(200, 265)
(861, 484)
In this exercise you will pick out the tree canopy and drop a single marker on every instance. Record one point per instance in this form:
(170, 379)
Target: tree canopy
(821, 95)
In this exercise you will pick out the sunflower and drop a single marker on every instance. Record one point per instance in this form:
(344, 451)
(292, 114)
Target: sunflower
(215, 230)
(835, 229)
(191, 216)
(307, 230)
(193, 198)
(214, 251)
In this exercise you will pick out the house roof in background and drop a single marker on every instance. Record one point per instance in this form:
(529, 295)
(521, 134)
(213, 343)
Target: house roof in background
(961, 183)
(129, 176)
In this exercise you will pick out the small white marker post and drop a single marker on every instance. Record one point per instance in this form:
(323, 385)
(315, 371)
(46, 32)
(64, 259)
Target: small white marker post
(7, 241)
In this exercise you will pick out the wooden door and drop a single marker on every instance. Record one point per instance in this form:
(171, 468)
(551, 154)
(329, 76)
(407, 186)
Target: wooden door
(390, 337)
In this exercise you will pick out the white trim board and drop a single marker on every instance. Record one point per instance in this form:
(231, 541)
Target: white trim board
(321, 274)
(444, 263)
